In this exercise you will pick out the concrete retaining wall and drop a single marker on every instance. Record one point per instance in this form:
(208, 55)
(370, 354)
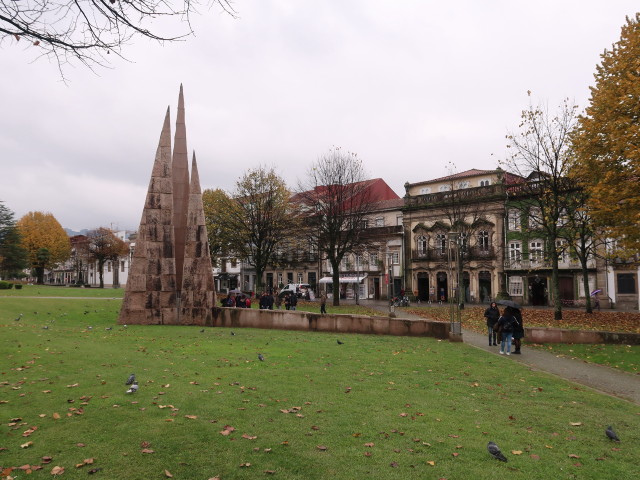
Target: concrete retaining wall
(314, 322)
(559, 335)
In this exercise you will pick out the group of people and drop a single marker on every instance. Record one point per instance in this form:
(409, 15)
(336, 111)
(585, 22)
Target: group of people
(505, 328)
(238, 301)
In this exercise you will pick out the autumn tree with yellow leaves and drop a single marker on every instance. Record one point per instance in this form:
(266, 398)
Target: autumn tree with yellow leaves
(606, 142)
(45, 241)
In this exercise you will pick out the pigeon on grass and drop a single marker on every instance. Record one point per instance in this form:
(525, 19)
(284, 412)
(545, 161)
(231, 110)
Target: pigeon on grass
(611, 434)
(340, 343)
(261, 357)
(495, 452)
(133, 388)
(131, 380)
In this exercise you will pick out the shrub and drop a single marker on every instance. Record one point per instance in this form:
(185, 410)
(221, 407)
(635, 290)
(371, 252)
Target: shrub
(18, 286)
(5, 285)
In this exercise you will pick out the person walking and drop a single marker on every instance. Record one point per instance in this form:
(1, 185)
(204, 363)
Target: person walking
(293, 301)
(492, 314)
(323, 303)
(518, 331)
(505, 326)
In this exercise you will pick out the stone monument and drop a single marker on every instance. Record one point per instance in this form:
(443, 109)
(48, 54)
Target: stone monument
(170, 277)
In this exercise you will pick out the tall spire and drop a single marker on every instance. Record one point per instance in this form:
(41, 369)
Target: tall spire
(150, 292)
(180, 173)
(198, 293)
(170, 276)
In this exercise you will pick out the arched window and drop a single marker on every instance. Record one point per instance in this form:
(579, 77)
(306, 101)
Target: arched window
(422, 246)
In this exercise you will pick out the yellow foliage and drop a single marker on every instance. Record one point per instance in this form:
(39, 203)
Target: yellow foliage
(42, 230)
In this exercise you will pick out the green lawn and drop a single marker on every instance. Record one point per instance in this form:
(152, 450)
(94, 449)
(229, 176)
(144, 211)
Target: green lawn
(621, 357)
(374, 407)
(50, 291)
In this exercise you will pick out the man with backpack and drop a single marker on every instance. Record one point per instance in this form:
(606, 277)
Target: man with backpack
(506, 325)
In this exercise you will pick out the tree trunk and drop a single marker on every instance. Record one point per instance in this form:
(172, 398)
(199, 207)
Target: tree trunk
(39, 275)
(585, 280)
(336, 283)
(101, 273)
(557, 304)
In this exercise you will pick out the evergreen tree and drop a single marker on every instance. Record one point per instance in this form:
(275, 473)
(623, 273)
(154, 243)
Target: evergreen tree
(13, 258)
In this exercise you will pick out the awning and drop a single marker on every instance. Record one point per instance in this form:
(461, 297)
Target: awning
(354, 279)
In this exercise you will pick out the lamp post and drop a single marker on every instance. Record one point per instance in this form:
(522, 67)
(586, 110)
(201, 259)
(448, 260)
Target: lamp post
(454, 292)
(357, 279)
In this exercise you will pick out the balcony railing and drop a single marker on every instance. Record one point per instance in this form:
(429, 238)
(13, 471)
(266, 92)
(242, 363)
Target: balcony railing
(474, 253)
(537, 264)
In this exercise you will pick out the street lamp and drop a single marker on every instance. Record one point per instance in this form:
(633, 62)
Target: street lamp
(454, 306)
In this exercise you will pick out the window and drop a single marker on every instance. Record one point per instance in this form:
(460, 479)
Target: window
(536, 251)
(380, 222)
(562, 250)
(463, 242)
(108, 266)
(463, 184)
(399, 220)
(626, 283)
(373, 259)
(395, 258)
(234, 262)
(358, 260)
(563, 218)
(280, 279)
(300, 278)
(289, 277)
(515, 251)
(422, 245)
(535, 217)
(122, 265)
(364, 224)
(425, 190)
(485, 183)
(444, 188)
(483, 240)
(441, 243)
(515, 286)
(514, 219)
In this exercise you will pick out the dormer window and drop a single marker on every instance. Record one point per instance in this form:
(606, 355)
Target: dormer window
(463, 184)
(425, 190)
(444, 188)
(485, 183)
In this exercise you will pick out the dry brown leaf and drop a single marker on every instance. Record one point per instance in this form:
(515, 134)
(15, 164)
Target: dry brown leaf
(573, 455)
(322, 448)
(46, 459)
(245, 465)
(26, 445)
(56, 416)
(369, 444)
(167, 474)
(57, 470)
(431, 462)
(192, 417)
(147, 450)
(516, 452)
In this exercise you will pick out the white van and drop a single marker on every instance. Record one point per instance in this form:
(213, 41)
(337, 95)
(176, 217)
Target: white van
(300, 289)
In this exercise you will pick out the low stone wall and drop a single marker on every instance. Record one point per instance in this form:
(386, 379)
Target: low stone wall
(560, 335)
(314, 322)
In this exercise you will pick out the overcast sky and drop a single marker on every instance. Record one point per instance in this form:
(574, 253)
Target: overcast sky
(410, 86)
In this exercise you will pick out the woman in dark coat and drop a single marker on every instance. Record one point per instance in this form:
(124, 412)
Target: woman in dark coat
(492, 314)
(518, 330)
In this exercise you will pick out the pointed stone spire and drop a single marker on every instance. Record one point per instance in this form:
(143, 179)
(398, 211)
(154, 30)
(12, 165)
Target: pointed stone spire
(180, 168)
(198, 292)
(150, 296)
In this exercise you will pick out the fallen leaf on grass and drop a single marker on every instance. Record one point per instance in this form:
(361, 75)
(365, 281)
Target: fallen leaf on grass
(167, 474)
(322, 448)
(269, 472)
(192, 417)
(72, 386)
(367, 454)
(394, 464)
(146, 450)
(245, 465)
(516, 452)
(46, 459)
(370, 444)
(431, 462)
(26, 445)
(56, 416)
(534, 457)
(249, 437)
(227, 430)
(94, 470)
(57, 470)
(455, 454)
(575, 424)
(573, 455)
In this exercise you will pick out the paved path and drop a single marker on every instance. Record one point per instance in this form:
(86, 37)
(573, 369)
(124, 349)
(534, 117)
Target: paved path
(603, 379)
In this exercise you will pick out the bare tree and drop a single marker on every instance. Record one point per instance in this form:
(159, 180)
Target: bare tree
(88, 30)
(337, 200)
(541, 153)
